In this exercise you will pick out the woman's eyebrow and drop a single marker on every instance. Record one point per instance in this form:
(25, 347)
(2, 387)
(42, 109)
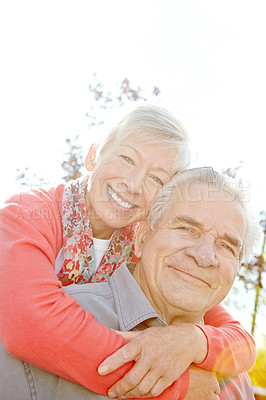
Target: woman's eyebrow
(140, 155)
(131, 147)
(128, 146)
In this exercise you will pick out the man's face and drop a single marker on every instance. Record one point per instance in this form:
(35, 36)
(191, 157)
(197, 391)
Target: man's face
(189, 262)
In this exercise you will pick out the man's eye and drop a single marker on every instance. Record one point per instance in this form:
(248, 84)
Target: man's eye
(157, 180)
(127, 159)
(228, 248)
(185, 229)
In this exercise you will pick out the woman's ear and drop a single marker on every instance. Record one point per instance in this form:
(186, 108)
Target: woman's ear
(140, 238)
(90, 158)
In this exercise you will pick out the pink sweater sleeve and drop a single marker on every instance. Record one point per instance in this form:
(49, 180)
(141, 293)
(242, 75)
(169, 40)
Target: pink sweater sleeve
(39, 323)
(231, 349)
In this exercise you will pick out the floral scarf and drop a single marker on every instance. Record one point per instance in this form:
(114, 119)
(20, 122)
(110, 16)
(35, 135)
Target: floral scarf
(79, 264)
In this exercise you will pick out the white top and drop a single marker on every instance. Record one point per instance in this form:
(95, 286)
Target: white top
(100, 247)
(59, 261)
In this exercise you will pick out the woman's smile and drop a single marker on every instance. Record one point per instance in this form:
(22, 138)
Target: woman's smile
(118, 200)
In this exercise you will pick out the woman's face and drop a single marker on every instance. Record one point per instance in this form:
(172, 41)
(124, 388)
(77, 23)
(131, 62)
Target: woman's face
(125, 181)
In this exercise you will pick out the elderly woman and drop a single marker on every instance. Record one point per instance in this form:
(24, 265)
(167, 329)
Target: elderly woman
(82, 232)
(139, 155)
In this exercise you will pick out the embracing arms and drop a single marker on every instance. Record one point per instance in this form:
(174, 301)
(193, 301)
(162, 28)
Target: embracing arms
(231, 349)
(162, 354)
(40, 324)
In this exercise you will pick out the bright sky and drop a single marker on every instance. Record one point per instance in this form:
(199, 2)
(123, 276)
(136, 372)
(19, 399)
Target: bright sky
(207, 57)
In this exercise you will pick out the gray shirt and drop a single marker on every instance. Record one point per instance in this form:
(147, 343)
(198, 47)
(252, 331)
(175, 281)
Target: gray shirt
(120, 304)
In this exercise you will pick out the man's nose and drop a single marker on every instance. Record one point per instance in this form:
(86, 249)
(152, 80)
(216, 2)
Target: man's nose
(203, 251)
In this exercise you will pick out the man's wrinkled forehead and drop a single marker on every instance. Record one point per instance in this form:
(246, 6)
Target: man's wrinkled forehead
(192, 195)
(201, 191)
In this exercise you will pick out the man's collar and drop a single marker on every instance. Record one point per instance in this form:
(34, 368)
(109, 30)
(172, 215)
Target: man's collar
(132, 306)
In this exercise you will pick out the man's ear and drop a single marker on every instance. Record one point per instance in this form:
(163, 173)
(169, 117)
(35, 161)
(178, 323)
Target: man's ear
(90, 158)
(140, 238)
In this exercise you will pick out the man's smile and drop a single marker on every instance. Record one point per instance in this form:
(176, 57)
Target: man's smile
(189, 277)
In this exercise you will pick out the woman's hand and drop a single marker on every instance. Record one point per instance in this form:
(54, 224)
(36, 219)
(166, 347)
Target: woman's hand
(161, 355)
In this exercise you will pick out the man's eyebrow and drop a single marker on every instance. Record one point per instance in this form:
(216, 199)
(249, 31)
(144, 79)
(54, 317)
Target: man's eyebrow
(188, 220)
(232, 239)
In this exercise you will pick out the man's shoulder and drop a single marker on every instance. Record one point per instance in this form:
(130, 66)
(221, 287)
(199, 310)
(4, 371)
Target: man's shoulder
(97, 298)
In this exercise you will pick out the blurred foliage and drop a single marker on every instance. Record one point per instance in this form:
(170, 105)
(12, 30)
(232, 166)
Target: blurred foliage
(251, 274)
(28, 179)
(73, 165)
(258, 373)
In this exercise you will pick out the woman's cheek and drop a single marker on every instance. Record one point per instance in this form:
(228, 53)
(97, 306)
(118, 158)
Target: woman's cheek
(150, 193)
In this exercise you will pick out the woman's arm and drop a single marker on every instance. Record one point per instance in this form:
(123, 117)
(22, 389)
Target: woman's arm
(39, 323)
(225, 347)
(231, 349)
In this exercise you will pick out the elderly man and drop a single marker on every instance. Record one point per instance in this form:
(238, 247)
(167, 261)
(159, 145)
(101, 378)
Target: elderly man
(189, 252)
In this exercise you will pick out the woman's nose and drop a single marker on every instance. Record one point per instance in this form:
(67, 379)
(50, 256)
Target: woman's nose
(135, 182)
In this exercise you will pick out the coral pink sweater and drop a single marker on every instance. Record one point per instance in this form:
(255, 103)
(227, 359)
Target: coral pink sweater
(42, 325)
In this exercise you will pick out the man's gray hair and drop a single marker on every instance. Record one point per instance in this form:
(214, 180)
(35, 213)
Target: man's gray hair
(156, 125)
(215, 180)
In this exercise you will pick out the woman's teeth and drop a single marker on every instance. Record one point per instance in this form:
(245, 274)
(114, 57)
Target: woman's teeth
(118, 201)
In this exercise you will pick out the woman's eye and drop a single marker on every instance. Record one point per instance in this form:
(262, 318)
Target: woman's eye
(157, 180)
(127, 159)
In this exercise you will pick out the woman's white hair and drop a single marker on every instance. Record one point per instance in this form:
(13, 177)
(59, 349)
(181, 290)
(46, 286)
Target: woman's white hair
(216, 180)
(156, 125)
